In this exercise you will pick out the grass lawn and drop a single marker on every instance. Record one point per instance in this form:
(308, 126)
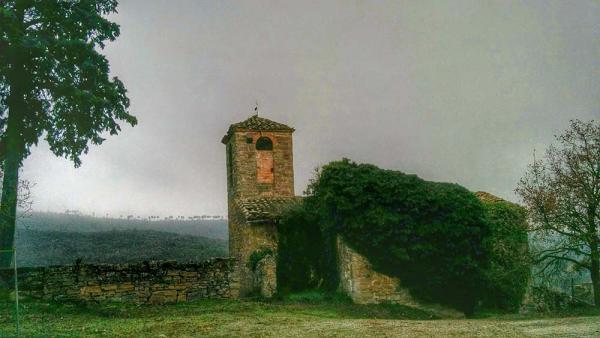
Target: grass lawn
(213, 318)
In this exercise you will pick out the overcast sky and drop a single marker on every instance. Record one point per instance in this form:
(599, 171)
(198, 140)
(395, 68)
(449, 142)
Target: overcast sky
(457, 91)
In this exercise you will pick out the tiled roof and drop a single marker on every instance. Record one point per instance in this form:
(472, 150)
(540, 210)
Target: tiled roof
(266, 208)
(260, 123)
(255, 123)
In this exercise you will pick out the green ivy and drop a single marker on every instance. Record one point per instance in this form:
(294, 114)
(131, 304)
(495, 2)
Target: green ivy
(428, 234)
(444, 244)
(509, 271)
(257, 256)
(300, 251)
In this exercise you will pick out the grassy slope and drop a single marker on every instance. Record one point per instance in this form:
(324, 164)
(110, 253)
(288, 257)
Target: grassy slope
(209, 318)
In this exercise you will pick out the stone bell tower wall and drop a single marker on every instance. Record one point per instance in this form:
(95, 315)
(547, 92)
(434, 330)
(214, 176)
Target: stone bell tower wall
(259, 166)
(244, 240)
(244, 162)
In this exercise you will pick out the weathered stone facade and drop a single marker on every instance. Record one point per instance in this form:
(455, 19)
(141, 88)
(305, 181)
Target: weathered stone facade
(245, 162)
(148, 282)
(260, 186)
(266, 275)
(245, 239)
(366, 286)
(260, 182)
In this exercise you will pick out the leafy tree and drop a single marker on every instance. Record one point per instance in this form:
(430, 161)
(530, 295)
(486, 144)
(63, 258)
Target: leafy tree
(562, 195)
(54, 83)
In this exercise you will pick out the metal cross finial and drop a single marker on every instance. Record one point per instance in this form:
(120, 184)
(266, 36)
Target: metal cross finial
(256, 108)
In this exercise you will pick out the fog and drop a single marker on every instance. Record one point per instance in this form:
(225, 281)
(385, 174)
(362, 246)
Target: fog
(459, 91)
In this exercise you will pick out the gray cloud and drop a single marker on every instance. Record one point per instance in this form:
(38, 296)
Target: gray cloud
(459, 91)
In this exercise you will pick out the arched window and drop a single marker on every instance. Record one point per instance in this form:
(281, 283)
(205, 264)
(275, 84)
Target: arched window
(264, 143)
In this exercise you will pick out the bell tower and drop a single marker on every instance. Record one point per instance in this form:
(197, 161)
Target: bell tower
(260, 185)
(259, 159)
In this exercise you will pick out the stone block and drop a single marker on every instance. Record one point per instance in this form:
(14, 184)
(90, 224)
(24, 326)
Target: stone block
(163, 297)
(90, 290)
(109, 287)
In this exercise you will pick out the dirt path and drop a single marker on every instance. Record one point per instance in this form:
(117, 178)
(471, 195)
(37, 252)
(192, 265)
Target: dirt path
(564, 327)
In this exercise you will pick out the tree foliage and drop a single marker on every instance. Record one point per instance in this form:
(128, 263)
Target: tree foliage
(54, 83)
(50, 55)
(562, 195)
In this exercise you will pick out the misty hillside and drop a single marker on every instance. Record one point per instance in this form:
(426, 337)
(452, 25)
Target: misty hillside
(48, 221)
(45, 238)
(40, 248)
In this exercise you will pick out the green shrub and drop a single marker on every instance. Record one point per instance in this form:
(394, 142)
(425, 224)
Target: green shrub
(5, 294)
(257, 256)
(507, 245)
(318, 296)
(428, 234)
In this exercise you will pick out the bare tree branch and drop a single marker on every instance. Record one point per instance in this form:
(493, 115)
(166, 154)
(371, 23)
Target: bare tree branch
(562, 196)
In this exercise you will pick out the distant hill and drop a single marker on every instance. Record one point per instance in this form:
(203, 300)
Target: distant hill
(48, 221)
(45, 238)
(41, 248)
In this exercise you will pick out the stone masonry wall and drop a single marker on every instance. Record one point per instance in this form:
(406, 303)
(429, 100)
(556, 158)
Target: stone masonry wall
(365, 286)
(244, 239)
(266, 276)
(243, 162)
(148, 282)
(242, 166)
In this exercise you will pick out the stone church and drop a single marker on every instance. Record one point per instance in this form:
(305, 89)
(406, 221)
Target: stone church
(260, 186)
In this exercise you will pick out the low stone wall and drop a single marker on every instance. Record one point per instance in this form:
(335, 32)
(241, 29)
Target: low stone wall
(148, 282)
(366, 286)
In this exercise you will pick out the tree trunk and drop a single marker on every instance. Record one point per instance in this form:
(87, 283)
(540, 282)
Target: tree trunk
(8, 206)
(10, 183)
(13, 142)
(595, 271)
